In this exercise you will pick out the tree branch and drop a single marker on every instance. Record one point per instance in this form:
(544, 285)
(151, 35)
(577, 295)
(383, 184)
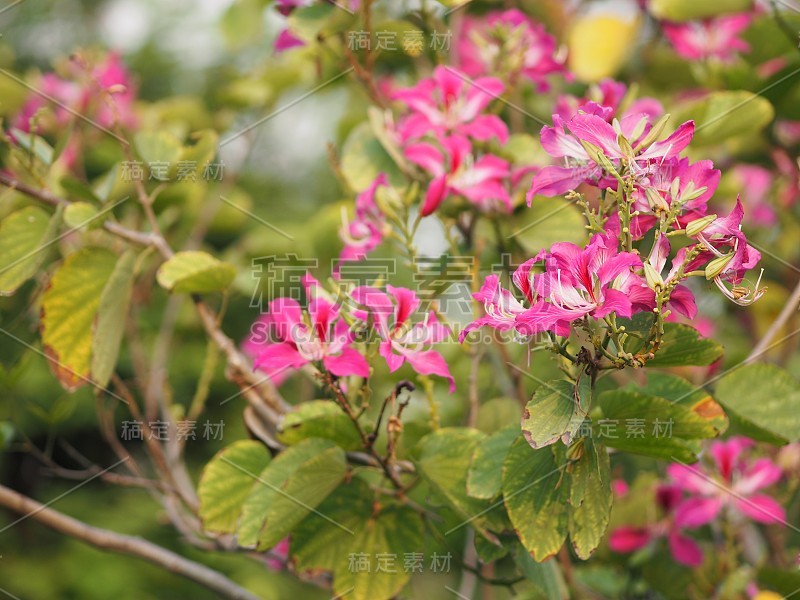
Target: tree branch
(124, 544)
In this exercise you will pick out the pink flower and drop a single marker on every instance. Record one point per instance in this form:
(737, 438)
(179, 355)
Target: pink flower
(684, 549)
(278, 555)
(563, 141)
(285, 339)
(401, 340)
(286, 40)
(508, 42)
(724, 238)
(734, 484)
(713, 38)
(756, 183)
(671, 182)
(365, 232)
(576, 282)
(103, 92)
(448, 103)
(605, 99)
(455, 171)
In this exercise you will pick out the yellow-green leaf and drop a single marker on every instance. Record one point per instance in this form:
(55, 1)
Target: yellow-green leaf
(24, 235)
(195, 272)
(110, 323)
(288, 489)
(226, 483)
(69, 308)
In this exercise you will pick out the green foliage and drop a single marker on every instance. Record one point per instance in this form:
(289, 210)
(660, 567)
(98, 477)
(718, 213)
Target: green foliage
(485, 476)
(590, 498)
(69, 308)
(535, 494)
(226, 483)
(195, 272)
(765, 400)
(288, 489)
(112, 311)
(24, 237)
(321, 419)
(556, 411)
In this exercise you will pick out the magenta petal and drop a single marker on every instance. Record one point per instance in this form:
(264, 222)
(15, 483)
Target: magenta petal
(554, 181)
(685, 550)
(762, 473)
(437, 192)
(761, 508)
(348, 362)
(628, 539)
(696, 512)
(430, 362)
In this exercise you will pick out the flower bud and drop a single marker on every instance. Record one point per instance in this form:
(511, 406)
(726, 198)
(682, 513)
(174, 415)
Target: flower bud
(655, 132)
(653, 277)
(596, 155)
(717, 266)
(696, 227)
(655, 199)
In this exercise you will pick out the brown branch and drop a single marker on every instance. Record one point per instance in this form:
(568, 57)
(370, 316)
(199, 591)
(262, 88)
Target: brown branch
(123, 544)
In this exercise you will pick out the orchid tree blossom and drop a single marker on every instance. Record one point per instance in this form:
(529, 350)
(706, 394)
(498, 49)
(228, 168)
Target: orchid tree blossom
(684, 549)
(451, 103)
(366, 231)
(508, 42)
(571, 141)
(287, 338)
(456, 171)
(732, 257)
(403, 340)
(576, 282)
(716, 38)
(732, 483)
(607, 99)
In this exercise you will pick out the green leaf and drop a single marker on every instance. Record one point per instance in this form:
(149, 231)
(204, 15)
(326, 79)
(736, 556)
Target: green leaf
(544, 575)
(34, 145)
(556, 411)
(722, 115)
(288, 489)
(693, 10)
(485, 476)
(443, 462)
(639, 414)
(24, 235)
(317, 544)
(766, 396)
(590, 498)
(321, 419)
(80, 214)
(225, 484)
(683, 392)
(394, 532)
(69, 308)
(682, 345)
(195, 272)
(6, 434)
(497, 413)
(535, 496)
(158, 147)
(363, 158)
(110, 323)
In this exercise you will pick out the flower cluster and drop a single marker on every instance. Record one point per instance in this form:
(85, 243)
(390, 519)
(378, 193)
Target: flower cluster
(508, 44)
(102, 91)
(287, 338)
(698, 495)
(447, 115)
